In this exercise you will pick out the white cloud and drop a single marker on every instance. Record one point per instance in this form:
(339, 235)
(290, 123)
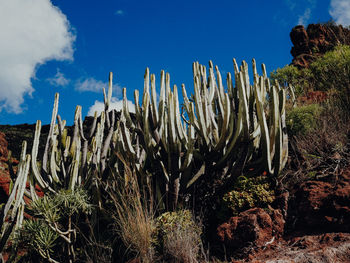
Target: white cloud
(115, 104)
(119, 12)
(59, 79)
(31, 32)
(93, 85)
(304, 18)
(340, 11)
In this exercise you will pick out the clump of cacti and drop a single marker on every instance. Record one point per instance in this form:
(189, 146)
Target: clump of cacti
(216, 133)
(223, 133)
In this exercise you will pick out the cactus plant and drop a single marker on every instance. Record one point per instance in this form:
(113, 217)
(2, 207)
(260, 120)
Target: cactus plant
(225, 132)
(216, 134)
(11, 214)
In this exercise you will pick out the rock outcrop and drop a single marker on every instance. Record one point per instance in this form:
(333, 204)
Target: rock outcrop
(313, 225)
(323, 206)
(316, 40)
(254, 226)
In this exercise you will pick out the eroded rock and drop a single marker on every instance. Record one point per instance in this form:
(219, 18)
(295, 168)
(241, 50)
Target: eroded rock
(252, 227)
(316, 40)
(323, 206)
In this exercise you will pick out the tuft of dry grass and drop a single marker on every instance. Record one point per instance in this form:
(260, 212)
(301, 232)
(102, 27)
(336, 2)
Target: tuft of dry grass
(134, 218)
(182, 245)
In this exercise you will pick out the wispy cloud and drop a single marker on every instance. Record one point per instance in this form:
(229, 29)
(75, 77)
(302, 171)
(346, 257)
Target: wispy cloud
(302, 9)
(290, 4)
(93, 85)
(304, 18)
(59, 80)
(119, 12)
(29, 39)
(115, 104)
(340, 11)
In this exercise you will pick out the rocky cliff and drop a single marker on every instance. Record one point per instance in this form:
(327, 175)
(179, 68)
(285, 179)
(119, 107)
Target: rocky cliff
(315, 40)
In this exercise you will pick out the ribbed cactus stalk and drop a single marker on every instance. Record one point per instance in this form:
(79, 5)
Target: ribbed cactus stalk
(11, 214)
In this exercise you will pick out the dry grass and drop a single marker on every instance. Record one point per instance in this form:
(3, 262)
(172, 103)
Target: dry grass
(183, 245)
(323, 151)
(134, 219)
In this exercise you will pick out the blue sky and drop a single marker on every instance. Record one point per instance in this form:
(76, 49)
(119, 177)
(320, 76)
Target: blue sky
(70, 46)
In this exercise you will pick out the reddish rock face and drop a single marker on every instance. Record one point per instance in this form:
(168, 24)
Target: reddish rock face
(324, 206)
(314, 41)
(254, 226)
(3, 147)
(4, 173)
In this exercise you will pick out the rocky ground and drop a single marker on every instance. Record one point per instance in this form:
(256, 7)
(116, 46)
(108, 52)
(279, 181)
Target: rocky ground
(310, 223)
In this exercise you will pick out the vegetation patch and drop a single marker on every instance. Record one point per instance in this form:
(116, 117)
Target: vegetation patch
(303, 119)
(249, 193)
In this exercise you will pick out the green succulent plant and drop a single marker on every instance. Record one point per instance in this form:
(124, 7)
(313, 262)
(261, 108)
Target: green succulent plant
(249, 193)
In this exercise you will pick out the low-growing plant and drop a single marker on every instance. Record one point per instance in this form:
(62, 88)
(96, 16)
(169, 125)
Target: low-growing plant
(178, 236)
(51, 231)
(248, 193)
(39, 239)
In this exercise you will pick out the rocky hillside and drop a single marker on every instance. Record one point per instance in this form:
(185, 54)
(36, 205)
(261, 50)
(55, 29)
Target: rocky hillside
(316, 40)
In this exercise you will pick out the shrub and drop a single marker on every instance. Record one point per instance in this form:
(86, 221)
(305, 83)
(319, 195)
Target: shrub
(38, 238)
(329, 72)
(299, 79)
(248, 193)
(303, 119)
(178, 236)
(332, 72)
(323, 151)
(51, 232)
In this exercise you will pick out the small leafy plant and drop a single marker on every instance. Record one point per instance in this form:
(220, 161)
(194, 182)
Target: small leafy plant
(248, 193)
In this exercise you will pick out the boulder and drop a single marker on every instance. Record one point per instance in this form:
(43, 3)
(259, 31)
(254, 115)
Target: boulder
(316, 40)
(255, 227)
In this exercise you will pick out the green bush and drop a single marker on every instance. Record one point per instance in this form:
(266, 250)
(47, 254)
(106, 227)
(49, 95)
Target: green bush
(248, 193)
(303, 119)
(299, 79)
(330, 72)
